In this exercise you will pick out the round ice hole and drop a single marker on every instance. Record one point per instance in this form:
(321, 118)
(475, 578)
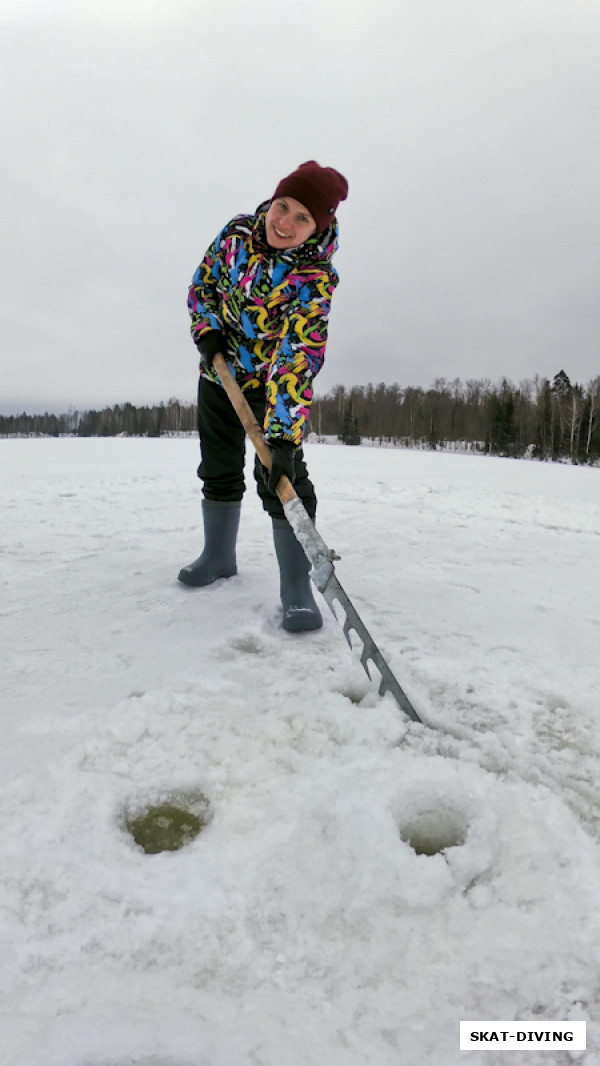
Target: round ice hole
(433, 831)
(169, 825)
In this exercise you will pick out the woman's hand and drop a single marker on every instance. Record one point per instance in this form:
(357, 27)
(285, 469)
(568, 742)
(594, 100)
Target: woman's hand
(283, 456)
(208, 346)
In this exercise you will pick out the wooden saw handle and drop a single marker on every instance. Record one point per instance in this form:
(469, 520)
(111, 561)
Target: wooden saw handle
(243, 410)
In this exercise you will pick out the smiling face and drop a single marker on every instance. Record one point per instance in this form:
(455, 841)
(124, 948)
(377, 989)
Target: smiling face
(288, 223)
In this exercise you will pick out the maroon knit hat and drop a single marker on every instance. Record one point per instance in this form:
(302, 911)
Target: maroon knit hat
(320, 189)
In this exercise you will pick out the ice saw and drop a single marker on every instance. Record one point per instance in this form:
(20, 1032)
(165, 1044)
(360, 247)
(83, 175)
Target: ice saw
(319, 555)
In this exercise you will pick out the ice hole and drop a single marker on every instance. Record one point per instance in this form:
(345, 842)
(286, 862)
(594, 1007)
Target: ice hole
(434, 831)
(170, 824)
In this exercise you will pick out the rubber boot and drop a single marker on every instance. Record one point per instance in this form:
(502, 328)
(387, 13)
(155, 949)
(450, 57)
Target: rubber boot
(300, 611)
(221, 523)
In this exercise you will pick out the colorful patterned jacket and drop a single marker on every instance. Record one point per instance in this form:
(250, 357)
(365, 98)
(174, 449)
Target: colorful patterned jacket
(273, 308)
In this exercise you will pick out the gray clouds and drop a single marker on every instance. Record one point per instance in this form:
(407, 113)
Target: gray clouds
(130, 133)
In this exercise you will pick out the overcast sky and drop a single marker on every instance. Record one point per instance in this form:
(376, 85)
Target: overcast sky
(469, 131)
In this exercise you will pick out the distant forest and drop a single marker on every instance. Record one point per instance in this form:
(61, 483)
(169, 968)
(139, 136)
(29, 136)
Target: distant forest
(549, 420)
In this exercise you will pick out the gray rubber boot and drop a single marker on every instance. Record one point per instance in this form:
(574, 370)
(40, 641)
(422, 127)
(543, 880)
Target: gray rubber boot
(221, 523)
(300, 611)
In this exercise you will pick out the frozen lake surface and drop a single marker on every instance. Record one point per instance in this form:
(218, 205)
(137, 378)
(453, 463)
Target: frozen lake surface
(302, 927)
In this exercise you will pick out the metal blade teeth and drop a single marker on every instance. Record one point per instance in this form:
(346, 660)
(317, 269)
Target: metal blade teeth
(365, 658)
(370, 653)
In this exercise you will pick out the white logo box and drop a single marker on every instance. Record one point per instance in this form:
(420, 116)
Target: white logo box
(538, 1035)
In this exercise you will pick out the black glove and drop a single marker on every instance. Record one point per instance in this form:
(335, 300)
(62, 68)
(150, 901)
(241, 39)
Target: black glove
(209, 345)
(283, 456)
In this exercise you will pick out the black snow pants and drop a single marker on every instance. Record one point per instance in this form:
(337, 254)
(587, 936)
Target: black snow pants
(223, 451)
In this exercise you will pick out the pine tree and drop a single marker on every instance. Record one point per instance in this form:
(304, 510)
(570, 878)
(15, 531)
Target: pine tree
(350, 432)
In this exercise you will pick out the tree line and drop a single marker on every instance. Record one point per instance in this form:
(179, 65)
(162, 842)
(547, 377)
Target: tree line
(120, 420)
(544, 419)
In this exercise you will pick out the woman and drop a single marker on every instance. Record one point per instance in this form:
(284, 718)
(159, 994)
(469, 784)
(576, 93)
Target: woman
(262, 296)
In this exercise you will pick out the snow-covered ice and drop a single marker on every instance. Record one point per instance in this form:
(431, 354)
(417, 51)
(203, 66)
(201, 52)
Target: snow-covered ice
(301, 927)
